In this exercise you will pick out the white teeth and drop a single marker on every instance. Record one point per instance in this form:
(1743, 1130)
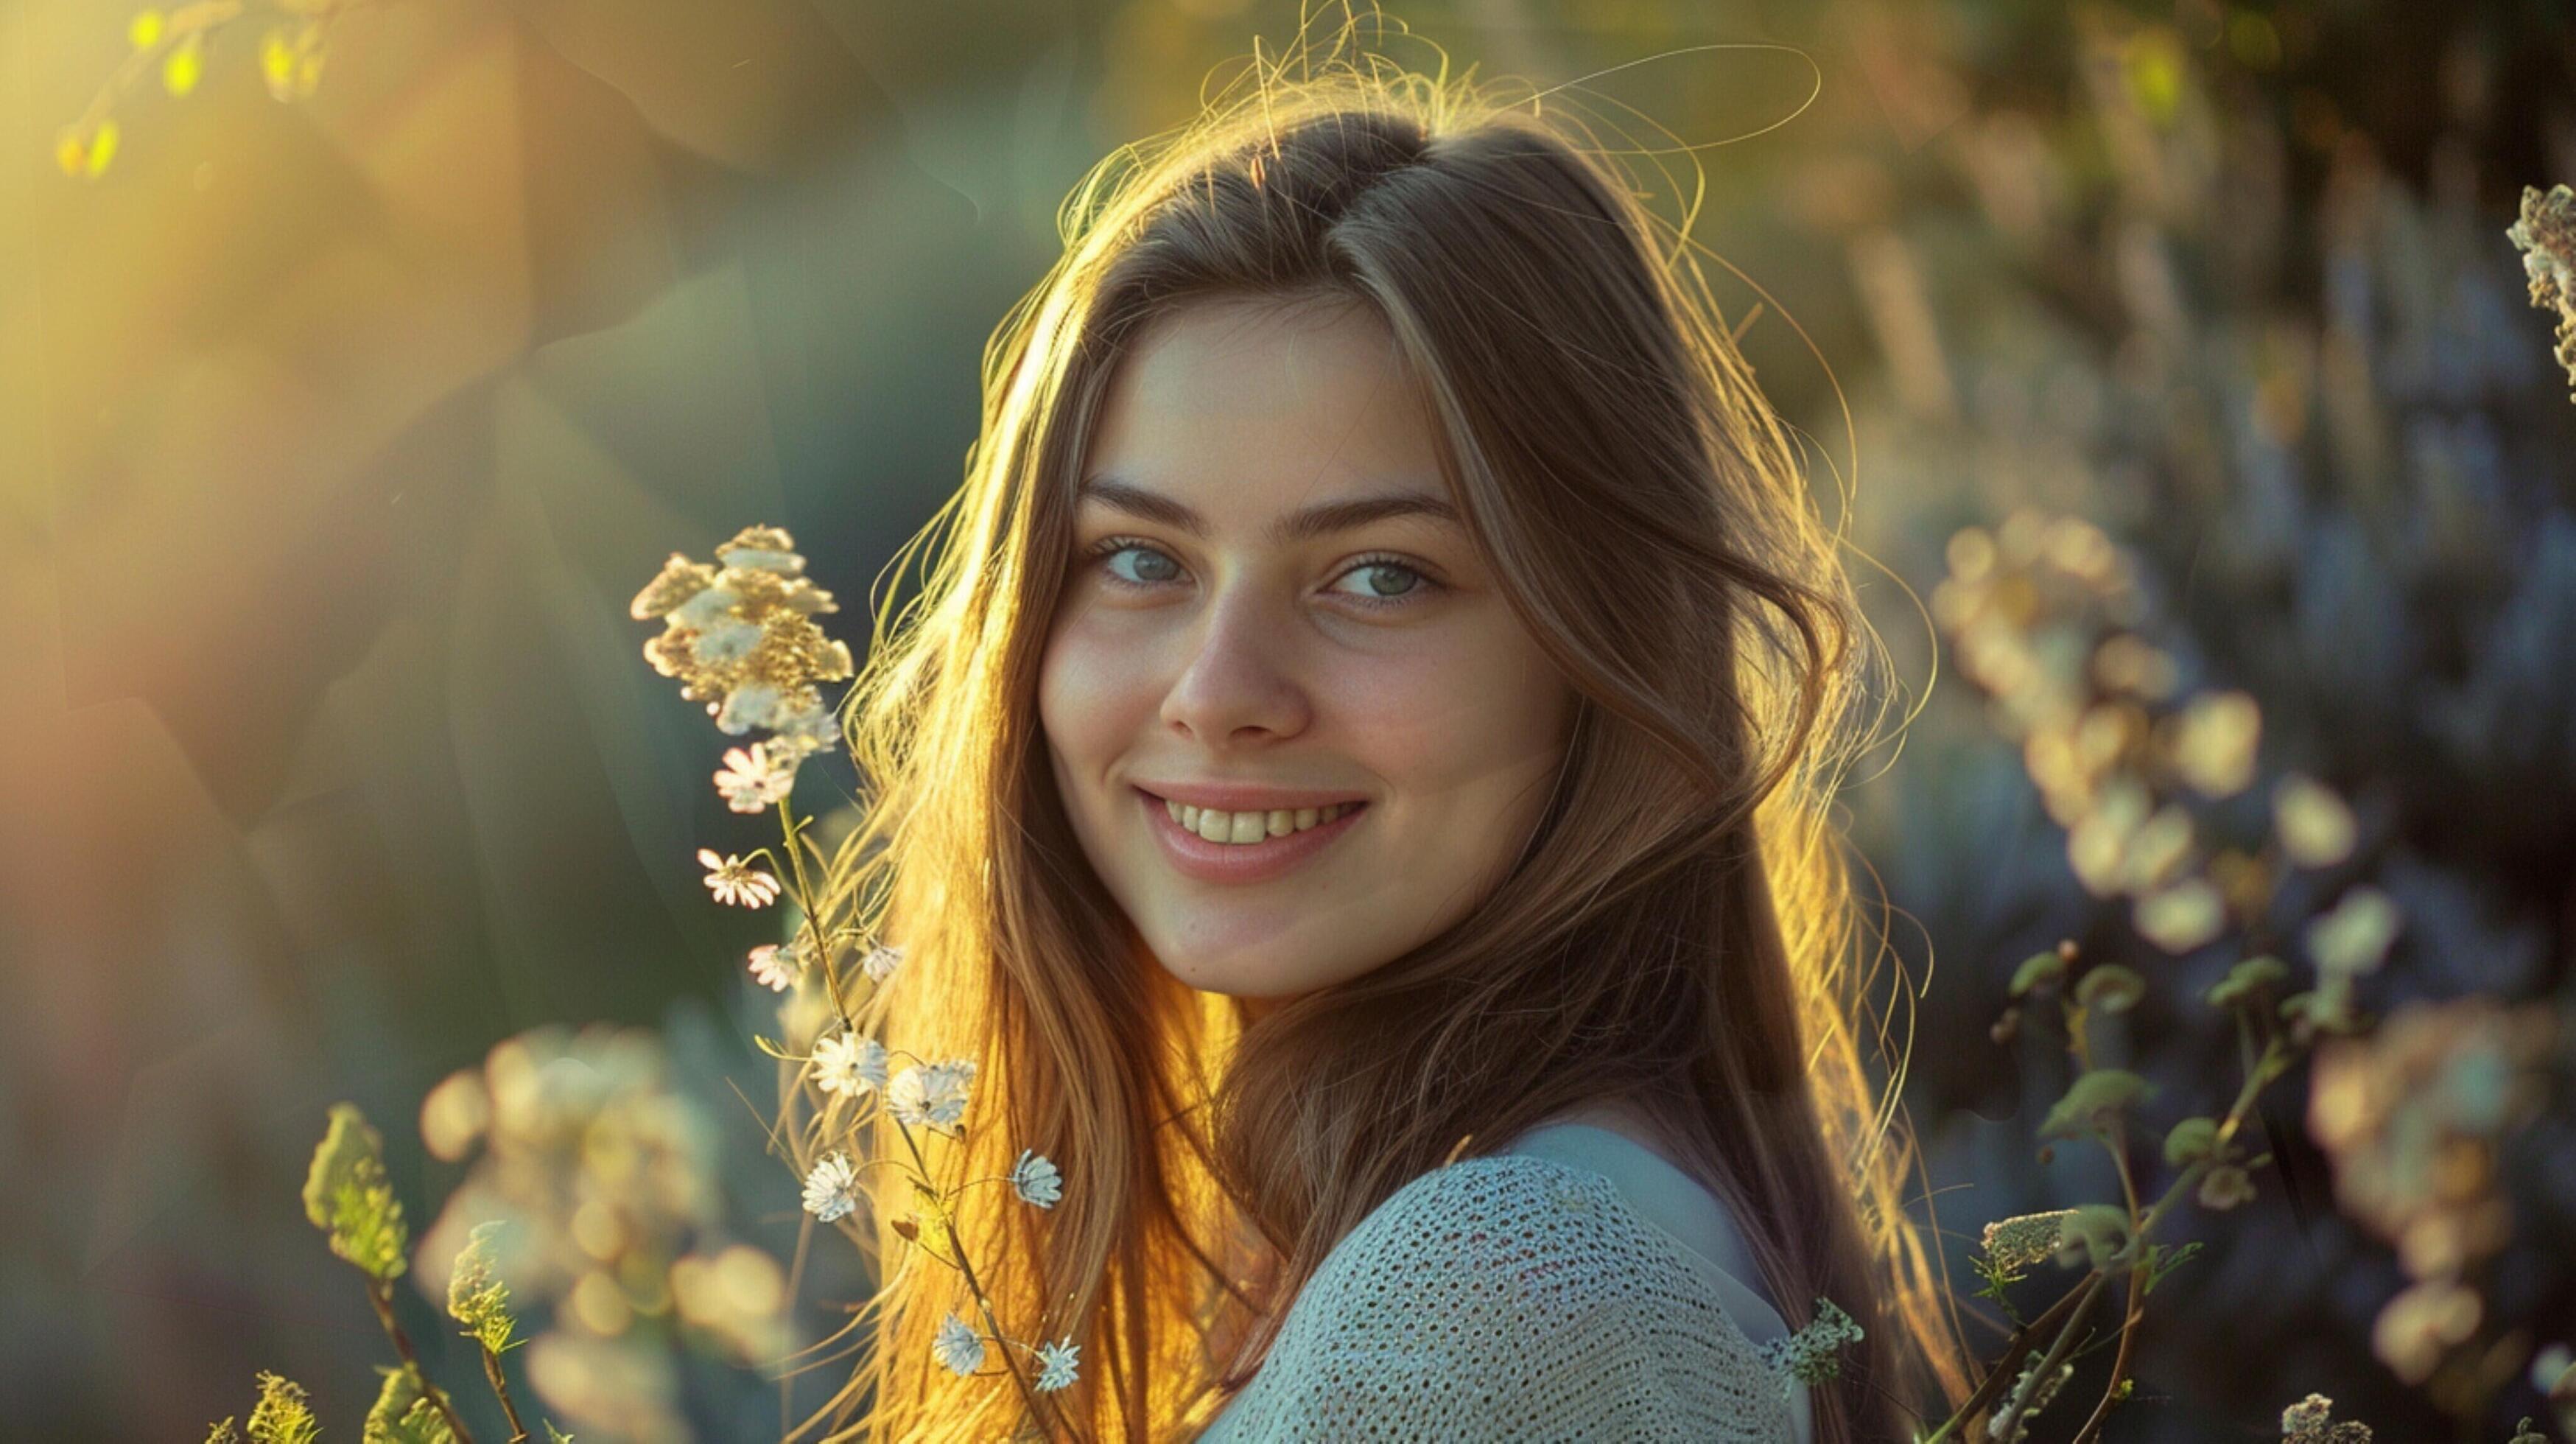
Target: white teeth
(1250, 827)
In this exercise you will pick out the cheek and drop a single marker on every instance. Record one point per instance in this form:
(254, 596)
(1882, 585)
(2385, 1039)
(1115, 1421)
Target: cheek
(1091, 699)
(1460, 722)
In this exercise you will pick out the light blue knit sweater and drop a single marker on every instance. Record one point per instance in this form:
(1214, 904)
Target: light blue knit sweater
(1573, 1286)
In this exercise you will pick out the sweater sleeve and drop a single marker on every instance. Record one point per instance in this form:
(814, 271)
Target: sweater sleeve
(1507, 1298)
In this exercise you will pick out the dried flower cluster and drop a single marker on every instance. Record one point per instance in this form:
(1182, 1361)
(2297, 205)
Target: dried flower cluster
(2546, 235)
(741, 638)
(2412, 1117)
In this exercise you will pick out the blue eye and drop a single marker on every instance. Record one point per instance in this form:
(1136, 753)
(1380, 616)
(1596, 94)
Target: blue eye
(1413, 582)
(1398, 583)
(1114, 548)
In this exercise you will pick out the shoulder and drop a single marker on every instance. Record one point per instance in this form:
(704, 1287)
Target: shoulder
(1507, 1297)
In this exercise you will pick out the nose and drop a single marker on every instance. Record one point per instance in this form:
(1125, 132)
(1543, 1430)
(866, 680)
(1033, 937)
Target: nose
(1239, 683)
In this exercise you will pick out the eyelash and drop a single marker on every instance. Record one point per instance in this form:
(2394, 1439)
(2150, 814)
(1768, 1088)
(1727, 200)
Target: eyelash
(1107, 547)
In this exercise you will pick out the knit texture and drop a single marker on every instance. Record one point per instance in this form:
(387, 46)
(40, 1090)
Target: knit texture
(1508, 1297)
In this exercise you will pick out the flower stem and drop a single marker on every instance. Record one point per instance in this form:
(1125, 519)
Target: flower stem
(813, 927)
(983, 1305)
(2011, 1417)
(1997, 1378)
(381, 1294)
(2119, 1361)
(501, 1388)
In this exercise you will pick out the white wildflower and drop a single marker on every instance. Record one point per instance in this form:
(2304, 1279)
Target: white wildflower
(755, 778)
(881, 962)
(1035, 1179)
(734, 881)
(958, 1346)
(932, 1095)
(849, 1064)
(806, 730)
(771, 967)
(1812, 1354)
(1056, 1364)
(753, 704)
(832, 1187)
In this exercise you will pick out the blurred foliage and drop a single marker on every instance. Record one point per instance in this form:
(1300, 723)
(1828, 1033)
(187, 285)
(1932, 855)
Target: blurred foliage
(2251, 315)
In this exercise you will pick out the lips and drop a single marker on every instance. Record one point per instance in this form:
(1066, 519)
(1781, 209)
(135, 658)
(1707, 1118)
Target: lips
(1249, 862)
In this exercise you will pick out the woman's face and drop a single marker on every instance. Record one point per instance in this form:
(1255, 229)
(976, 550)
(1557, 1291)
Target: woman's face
(1271, 609)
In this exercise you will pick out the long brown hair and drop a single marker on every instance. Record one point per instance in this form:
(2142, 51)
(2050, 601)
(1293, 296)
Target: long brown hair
(1678, 932)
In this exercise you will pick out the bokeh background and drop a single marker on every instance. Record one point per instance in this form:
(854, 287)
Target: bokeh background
(336, 434)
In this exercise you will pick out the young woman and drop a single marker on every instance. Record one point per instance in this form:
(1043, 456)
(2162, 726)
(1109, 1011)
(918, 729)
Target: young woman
(1354, 782)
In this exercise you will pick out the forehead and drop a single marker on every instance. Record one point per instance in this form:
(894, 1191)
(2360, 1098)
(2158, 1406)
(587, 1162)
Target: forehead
(1243, 406)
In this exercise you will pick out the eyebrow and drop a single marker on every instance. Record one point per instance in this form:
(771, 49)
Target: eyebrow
(1305, 524)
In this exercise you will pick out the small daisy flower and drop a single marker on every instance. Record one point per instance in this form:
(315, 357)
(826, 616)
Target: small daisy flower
(770, 969)
(881, 962)
(932, 1096)
(734, 881)
(832, 1187)
(958, 1346)
(1056, 1364)
(849, 1065)
(1036, 1180)
(755, 778)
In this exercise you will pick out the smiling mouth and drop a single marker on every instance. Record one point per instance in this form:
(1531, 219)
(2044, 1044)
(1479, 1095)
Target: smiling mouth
(1221, 845)
(1246, 828)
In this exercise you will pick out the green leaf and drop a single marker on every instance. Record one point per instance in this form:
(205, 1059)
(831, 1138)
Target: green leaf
(2100, 1232)
(477, 1296)
(2162, 1260)
(2111, 988)
(348, 1142)
(2247, 978)
(2037, 969)
(555, 1435)
(2093, 1101)
(347, 1196)
(281, 1416)
(2191, 1140)
(403, 1413)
